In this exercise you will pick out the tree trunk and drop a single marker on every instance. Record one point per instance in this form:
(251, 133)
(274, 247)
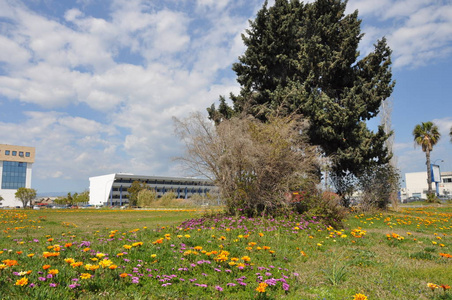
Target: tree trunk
(429, 172)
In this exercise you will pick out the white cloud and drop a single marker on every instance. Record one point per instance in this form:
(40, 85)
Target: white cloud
(418, 31)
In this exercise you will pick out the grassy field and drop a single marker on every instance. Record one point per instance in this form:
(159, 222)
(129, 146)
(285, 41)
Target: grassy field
(157, 254)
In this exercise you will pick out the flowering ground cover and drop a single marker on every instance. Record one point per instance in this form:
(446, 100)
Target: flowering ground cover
(111, 254)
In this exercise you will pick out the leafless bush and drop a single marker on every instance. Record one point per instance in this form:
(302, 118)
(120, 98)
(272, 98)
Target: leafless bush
(254, 164)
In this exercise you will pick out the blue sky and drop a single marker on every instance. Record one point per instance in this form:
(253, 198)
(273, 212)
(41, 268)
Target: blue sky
(94, 84)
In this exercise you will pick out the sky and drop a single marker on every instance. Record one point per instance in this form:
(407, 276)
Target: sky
(94, 84)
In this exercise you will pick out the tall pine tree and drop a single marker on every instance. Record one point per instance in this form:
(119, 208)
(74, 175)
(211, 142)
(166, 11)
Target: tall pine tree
(303, 58)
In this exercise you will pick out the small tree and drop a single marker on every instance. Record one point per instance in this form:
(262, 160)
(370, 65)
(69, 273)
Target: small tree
(427, 135)
(25, 195)
(133, 191)
(82, 197)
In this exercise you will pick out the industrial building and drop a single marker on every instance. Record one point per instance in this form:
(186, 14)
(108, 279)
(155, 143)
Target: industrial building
(417, 186)
(15, 172)
(111, 189)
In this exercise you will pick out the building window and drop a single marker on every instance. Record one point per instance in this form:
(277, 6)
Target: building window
(447, 180)
(6, 152)
(14, 153)
(14, 175)
(21, 154)
(27, 154)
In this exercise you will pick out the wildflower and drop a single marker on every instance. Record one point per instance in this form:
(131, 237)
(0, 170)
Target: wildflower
(76, 264)
(113, 267)
(3, 266)
(23, 281)
(445, 287)
(53, 271)
(123, 275)
(127, 247)
(105, 263)
(10, 262)
(219, 288)
(52, 284)
(100, 255)
(31, 255)
(85, 276)
(261, 288)
(359, 297)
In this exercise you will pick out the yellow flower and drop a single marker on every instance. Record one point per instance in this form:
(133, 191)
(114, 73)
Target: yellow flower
(127, 247)
(153, 255)
(69, 260)
(23, 281)
(112, 267)
(246, 258)
(359, 297)
(105, 263)
(432, 286)
(85, 276)
(31, 255)
(100, 255)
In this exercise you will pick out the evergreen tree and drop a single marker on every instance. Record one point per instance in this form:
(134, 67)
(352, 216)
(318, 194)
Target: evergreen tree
(302, 58)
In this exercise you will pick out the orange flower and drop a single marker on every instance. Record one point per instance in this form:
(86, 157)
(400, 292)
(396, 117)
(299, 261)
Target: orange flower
(261, 288)
(123, 275)
(76, 264)
(53, 271)
(69, 260)
(67, 245)
(31, 255)
(432, 286)
(359, 297)
(19, 252)
(23, 281)
(445, 287)
(10, 262)
(112, 267)
(45, 267)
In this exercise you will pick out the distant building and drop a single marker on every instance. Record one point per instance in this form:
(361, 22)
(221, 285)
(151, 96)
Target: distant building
(417, 186)
(111, 189)
(15, 171)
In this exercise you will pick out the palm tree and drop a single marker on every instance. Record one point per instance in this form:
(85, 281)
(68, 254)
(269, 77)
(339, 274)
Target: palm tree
(427, 135)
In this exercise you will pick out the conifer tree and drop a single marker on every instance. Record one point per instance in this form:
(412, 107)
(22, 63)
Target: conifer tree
(303, 59)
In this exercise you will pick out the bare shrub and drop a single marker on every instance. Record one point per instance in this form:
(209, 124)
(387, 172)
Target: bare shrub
(254, 164)
(146, 198)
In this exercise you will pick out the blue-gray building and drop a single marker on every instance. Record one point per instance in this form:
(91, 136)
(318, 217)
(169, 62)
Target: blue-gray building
(111, 189)
(15, 171)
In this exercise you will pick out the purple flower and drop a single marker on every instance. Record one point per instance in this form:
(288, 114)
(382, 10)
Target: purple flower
(52, 284)
(219, 288)
(49, 276)
(135, 280)
(231, 284)
(32, 285)
(285, 286)
(41, 278)
(73, 286)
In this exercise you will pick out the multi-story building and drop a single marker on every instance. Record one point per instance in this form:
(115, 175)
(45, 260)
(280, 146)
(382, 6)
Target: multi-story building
(417, 186)
(111, 189)
(15, 172)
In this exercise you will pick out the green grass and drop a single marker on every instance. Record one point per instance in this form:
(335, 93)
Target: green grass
(391, 255)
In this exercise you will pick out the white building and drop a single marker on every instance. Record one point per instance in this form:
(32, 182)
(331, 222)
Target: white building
(111, 189)
(417, 186)
(15, 172)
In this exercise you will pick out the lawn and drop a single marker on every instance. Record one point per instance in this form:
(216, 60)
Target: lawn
(181, 254)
